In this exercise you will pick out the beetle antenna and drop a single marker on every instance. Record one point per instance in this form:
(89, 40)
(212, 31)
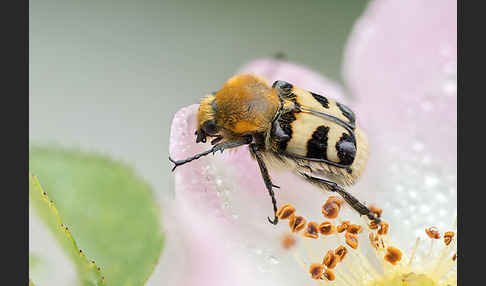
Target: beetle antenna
(195, 157)
(218, 147)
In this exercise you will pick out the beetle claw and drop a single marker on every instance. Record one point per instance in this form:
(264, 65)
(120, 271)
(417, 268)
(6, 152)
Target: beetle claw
(274, 221)
(174, 162)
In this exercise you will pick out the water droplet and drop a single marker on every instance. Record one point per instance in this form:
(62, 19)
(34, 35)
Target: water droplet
(257, 251)
(399, 188)
(418, 146)
(226, 205)
(450, 87)
(413, 194)
(273, 260)
(440, 198)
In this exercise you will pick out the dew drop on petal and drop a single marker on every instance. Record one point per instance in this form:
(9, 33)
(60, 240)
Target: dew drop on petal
(257, 251)
(413, 195)
(441, 198)
(431, 181)
(450, 87)
(273, 260)
(418, 146)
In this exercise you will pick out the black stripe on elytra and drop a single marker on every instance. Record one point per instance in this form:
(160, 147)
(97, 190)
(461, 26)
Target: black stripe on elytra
(347, 112)
(321, 99)
(346, 149)
(285, 121)
(317, 145)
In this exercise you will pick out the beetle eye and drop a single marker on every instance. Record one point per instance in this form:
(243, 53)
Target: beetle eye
(209, 127)
(200, 136)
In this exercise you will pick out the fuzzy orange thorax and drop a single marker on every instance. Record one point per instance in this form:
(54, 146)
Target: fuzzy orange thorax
(245, 104)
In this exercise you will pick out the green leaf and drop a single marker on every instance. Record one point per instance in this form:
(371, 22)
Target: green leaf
(111, 211)
(89, 272)
(31, 283)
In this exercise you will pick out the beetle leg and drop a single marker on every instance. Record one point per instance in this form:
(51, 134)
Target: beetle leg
(268, 181)
(350, 199)
(218, 147)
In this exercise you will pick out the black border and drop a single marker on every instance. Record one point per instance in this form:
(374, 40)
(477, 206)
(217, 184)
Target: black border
(14, 116)
(460, 141)
(470, 146)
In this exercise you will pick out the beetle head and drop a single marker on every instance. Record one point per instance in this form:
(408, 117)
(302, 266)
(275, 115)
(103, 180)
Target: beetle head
(206, 119)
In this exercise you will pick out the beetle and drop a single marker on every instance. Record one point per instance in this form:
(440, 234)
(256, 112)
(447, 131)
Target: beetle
(288, 127)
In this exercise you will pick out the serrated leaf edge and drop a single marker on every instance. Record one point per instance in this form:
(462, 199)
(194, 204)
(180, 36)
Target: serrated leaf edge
(91, 264)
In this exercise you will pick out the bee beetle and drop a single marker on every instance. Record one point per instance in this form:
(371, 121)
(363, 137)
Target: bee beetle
(286, 127)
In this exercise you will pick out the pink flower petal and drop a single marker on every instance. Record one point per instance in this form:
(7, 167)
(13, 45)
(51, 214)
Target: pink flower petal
(197, 251)
(400, 63)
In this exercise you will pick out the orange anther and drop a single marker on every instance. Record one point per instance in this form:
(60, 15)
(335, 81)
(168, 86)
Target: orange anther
(351, 240)
(393, 255)
(343, 226)
(330, 260)
(448, 237)
(354, 228)
(432, 232)
(329, 275)
(372, 225)
(383, 228)
(331, 209)
(341, 252)
(334, 199)
(316, 270)
(297, 223)
(326, 228)
(311, 230)
(285, 212)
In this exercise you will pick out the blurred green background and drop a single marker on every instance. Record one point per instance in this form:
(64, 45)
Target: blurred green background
(109, 75)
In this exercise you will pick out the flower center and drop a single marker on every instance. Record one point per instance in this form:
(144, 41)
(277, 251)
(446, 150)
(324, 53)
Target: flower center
(409, 279)
(373, 262)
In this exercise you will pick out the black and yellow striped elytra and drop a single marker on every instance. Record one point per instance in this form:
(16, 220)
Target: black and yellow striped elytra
(286, 127)
(319, 130)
